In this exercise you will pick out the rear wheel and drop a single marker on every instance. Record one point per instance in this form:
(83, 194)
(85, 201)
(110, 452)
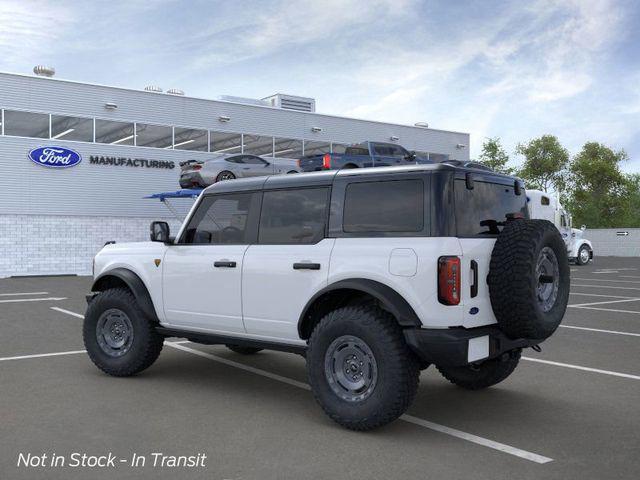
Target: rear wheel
(119, 338)
(486, 374)
(243, 350)
(225, 175)
(584, 255)
(361, 372)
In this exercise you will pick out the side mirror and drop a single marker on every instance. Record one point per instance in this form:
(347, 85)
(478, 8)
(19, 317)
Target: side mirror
(411, 156)
(159, 232)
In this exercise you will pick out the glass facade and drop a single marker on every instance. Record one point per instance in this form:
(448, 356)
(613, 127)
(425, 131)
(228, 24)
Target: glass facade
(116, 132)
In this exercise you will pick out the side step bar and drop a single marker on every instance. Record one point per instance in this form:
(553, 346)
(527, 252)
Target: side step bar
(214, 339)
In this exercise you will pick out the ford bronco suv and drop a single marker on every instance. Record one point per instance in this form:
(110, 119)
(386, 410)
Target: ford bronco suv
(371, 274)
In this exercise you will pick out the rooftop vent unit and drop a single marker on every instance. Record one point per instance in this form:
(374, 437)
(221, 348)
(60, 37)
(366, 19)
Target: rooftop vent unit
(43, 71)
(291, 102)
(153, 88)
(244, 100)
(175, 91)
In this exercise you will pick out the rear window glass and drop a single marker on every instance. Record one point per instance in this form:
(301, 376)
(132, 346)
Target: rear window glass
(293, 216)
(483, 210)
(390, 206)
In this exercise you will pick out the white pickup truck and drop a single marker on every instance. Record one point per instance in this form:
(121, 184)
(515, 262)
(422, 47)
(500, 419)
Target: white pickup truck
(543, 206)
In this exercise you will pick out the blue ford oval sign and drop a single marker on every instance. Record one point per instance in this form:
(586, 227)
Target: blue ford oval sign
(56, 157)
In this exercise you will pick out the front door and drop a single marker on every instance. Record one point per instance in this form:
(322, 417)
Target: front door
(289, 263)
(254, 166)
(203, 270)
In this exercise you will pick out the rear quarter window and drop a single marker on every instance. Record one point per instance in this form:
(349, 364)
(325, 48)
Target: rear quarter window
(483, 210)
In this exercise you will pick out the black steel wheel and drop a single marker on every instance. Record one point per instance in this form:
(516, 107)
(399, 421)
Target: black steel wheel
(225, 175)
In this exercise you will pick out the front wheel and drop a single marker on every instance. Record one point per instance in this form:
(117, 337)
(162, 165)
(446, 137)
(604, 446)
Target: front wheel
(360, 369)
(119, 338)
(584, 255)
(477, 377)
(225, 175)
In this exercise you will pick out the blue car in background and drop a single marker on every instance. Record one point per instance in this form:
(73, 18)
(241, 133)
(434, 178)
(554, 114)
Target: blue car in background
(367, 154)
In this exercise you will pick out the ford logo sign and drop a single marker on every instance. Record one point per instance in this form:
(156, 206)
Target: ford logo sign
(56, 157)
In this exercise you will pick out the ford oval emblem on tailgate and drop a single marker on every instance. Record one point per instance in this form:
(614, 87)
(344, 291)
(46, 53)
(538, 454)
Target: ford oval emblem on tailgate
(56, 157)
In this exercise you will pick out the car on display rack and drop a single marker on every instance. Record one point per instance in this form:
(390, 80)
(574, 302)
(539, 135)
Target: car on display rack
(202, 173)
(366, 154)
(543, 205)
(372, 274)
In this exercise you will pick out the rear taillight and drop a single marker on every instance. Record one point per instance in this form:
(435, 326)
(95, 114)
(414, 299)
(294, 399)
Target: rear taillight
(449, 280)
(196, 167)
(298, 163)
(326, 161)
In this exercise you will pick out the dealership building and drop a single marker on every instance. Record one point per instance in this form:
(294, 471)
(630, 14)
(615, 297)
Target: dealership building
(119, 145)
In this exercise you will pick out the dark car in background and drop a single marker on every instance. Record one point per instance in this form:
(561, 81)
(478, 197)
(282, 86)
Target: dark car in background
(366, 154)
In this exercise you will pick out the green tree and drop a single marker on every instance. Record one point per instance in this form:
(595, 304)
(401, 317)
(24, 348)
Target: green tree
(600, 194)
(494, 156)
(545, 163)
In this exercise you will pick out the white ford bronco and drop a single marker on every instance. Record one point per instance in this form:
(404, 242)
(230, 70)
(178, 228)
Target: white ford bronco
(371, 274)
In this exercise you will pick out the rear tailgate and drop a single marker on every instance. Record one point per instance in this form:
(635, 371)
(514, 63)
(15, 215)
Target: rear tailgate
(320, 161)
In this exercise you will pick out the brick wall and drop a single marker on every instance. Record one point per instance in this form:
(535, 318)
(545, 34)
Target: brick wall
(53, 245)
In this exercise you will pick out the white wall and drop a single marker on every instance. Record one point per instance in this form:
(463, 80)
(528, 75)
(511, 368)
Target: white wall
(55, 245)
(607, 243)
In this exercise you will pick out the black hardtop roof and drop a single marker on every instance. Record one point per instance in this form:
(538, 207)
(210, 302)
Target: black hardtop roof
(325, 178)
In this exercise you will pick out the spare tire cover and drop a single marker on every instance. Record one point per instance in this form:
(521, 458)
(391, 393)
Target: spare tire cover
(529, 279)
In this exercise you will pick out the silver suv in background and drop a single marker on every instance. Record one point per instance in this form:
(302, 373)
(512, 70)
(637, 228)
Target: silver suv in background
(197, 173)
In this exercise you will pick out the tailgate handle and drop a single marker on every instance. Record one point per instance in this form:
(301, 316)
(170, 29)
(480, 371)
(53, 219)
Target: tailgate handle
(224, 263)
(474, 286)
(306, 266)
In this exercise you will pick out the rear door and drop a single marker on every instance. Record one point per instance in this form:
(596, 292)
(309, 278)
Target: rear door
(289, 263)
(389, 154)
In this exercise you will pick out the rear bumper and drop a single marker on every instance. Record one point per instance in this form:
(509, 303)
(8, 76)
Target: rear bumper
(459, 346)
(188, 180)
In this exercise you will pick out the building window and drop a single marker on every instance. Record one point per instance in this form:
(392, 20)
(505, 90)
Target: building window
(222, 142)
(293, 216)
(26, 124)
(71, 128)
(402, 209)
(339, 148)
(316, 148)
(257, 145)
(115, 133)
(287, 148)
(157, 136)
(190, 139)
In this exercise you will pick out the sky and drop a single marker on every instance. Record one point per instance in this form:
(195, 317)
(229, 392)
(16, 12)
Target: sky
(514, 70)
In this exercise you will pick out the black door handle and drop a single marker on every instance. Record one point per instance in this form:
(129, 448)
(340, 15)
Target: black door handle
(224, 264)
(306, 266)
(474, 287)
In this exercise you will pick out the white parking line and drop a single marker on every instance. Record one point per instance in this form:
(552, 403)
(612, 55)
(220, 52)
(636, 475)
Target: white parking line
(606, 286)
(48, 299)
(609, 310)
(62, 310)
(597, 295)
(41, 355)
(580, 367)
(27, 293)
(534, 457)
(597, 303)
(615, 332)
(606, 280)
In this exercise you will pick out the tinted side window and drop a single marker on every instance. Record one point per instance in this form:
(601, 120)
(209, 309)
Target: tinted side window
(388, 206)
(221, 219)
(293, 216)
(483, 210)
(254, 160)
(238, 159)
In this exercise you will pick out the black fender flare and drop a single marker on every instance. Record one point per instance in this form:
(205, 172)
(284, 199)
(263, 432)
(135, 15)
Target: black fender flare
(135, 284)
(389, 299)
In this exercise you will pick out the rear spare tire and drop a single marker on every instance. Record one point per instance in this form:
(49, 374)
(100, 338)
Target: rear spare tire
(529, 279)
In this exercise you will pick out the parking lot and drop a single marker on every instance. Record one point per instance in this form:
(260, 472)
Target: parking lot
(571, 411)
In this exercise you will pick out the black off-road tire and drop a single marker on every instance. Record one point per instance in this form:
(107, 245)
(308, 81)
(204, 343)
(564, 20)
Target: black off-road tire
(397, 367)
(146, 343)
(477, 377)
(513, 281)
(243, 350)
(579, 257)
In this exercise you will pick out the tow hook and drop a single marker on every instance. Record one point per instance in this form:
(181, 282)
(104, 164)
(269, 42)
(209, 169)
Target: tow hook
(536, 348)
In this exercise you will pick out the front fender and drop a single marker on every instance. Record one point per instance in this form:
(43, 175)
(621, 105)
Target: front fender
(133, 282)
